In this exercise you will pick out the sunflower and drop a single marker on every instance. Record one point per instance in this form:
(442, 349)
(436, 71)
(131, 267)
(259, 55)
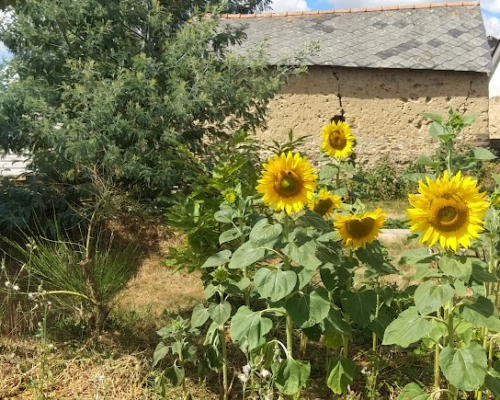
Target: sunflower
(288, 182)
(337, 140)
(360, 229)
(448, 211)
(325, 202)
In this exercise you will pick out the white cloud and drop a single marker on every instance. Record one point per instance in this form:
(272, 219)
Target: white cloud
(492, 25)
(289, 5)
(492, 6)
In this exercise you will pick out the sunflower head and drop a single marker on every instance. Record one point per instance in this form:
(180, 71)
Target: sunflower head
(359, 229)
(325, 202)
(229, 196)
(338, 141)
(288, 182)
(448, 211)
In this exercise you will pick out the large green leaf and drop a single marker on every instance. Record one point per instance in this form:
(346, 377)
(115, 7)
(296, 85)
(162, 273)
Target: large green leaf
(492, 380)
(480, 272)
(220, 312)
(263, 232)
(218, 259)
(335, 323)
(310, 218)
(408, 328)
(246, 255)
(292, 376)
(160, 352)
(303, 254)
(307, 310)
(274, 284)
(199, 316)
(340, 374)
(464, 368)
(460, 268)
(225, 215)
(360, 305)
(248, 328)
(413, 392)
(430, 296)
(417, 256)
(174, 374)
(229, 235)
(482, 154)
(481, 313)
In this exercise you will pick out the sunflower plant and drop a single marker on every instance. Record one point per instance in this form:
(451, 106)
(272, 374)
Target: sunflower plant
(305, 263)
(454, 306)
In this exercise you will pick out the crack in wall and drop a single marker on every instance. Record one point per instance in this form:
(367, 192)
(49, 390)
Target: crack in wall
(337, 117)
(469, 91)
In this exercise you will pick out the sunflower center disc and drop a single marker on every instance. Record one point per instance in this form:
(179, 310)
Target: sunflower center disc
(448, 213)
(337, 140)
(360, 228)
(288, 184)
(323, 206)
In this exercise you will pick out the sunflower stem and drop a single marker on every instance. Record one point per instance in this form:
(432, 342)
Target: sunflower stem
(286, 267)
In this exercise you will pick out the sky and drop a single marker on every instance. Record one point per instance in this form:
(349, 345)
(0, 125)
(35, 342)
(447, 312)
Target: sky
(490, 8)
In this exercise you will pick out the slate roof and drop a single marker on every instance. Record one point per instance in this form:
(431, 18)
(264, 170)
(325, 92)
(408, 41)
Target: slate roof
(445, 36)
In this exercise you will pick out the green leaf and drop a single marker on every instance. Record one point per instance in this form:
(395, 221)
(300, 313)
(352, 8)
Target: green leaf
(274, 284)
(335, 323)
(460, 268)
(174, 374)
(481, 313)
(229, 235)
(360, 305)
(307, 310)
(492, 380)
(303, 254)
(310, 218)
(220, 312)
(480, 273)
(340, 374)
(263, 232)
(333, 340)
(225, 215)
(430, 297)
(218, 259)
(249, 328)
(305, 276)
(380, 324)
(464, 368)
(483, 154)
(415, 257)
(434, 117)
(292, 376)
(246, 255)
(408, 328)
(199, 316)
(161, 351)
(413, 392)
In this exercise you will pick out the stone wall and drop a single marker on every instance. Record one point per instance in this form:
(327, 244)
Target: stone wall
(382, 107)
(495, 118)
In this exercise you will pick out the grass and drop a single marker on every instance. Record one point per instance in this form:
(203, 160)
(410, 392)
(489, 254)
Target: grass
(117, 364)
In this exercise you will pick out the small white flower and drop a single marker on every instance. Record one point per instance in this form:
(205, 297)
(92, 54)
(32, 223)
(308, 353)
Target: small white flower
(15, 288)
(366, 371)
(266, 374)
(243, 378)
(247, 369)
(7, 284)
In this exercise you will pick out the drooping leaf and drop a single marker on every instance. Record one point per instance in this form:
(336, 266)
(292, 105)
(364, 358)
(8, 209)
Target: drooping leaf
(413, 392)
(340, 374)
(199, 316)
(408, 328)
(248, 328)
(263, 232)
(460, 268)
(335, 323)
(220, 312)
(175, 374)
(360, 305)
(246, 255)
(274, 284)
(307, 310)
(292, 376)
(218, 259)
(160, 352)
(481, 313)
(430, 297)
(464, 368)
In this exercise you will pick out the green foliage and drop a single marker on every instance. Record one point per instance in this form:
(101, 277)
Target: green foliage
(118, 89)
(81, 280)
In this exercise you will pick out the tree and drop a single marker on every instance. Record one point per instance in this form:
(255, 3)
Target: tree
(110, 88)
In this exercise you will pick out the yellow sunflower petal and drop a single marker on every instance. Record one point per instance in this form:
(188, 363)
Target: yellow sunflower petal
(288, 182)
(358, 230)
(448, 211)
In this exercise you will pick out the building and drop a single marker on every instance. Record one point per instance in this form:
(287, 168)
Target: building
(379, 67)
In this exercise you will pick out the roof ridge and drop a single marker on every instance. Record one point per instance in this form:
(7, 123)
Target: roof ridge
(352, 10)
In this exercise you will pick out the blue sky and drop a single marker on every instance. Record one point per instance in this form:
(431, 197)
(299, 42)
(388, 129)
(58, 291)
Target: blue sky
(490, 8)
